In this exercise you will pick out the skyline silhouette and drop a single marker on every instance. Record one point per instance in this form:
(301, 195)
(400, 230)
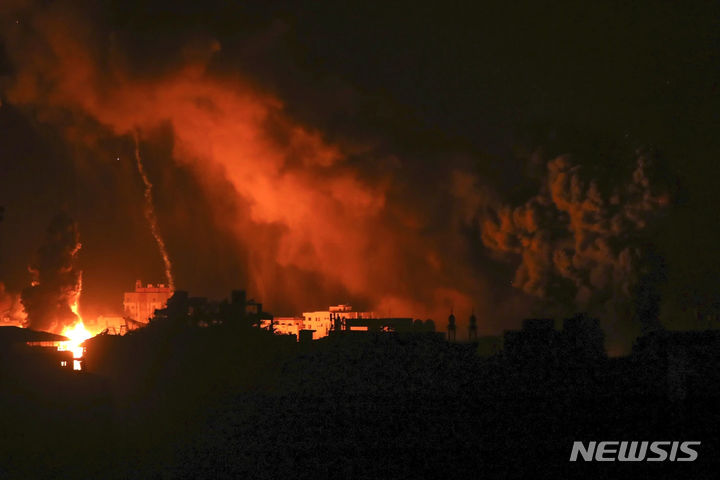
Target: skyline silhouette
(376, 239)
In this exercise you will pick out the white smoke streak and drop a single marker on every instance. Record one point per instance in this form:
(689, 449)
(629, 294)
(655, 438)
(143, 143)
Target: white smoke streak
(151, 217)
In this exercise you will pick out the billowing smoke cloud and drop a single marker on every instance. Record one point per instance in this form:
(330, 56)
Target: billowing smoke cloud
(310, 218)
(56, 279)
(583, 245)
(315, 220)
(11, 308)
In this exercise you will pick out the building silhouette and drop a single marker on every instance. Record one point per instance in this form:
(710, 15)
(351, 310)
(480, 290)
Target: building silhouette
(472, 327)
(451, 327)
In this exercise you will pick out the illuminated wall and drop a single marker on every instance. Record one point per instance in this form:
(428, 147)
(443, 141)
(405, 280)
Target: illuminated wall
(319, 321)
(141, 304)
(285, 325)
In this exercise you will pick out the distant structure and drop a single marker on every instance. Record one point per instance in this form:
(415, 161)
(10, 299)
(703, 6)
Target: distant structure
(537, 339)
(335, 318)
(141, 304)
(580, 338)
(239, 312)
(285, 325)
(31, 350)
(340, 319)
(115, 325)
(451, 327)
(320, 323)
(472, 329)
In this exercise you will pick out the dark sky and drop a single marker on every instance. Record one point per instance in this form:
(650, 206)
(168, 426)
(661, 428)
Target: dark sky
(409, 92)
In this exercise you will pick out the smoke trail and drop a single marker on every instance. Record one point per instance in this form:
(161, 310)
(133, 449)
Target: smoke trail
(150, 215)
(305, 221)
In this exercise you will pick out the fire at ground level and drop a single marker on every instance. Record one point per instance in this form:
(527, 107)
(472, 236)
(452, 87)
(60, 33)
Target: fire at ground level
(149, 303)
(203, 391)
(229, 400)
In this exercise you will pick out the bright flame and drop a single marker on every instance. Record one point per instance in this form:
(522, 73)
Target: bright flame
(75, 309)
(77, 334)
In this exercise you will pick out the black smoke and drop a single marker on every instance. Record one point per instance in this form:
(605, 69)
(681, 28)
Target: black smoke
(56, 278)
(581, 243)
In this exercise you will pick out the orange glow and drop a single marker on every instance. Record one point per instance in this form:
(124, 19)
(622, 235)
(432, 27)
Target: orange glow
(310, 221)
(77, 334)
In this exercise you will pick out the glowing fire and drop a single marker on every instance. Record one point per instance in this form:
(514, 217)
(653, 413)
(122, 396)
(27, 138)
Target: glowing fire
(77, 335)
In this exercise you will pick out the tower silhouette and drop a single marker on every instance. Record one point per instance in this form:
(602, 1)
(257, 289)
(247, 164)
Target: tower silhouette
(472, 329)
(451, 327)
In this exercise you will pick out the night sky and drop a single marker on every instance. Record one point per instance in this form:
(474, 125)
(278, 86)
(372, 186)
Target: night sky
(368, 153)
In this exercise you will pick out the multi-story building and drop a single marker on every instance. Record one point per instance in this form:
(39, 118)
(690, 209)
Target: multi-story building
(323, 321)
(320, 322)
(285, 325)
(141, 304)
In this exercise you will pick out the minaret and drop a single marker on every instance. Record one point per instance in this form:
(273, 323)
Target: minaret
(451, 327)
(472, 329)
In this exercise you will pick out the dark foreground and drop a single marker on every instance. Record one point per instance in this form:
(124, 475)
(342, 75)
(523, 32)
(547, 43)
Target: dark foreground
(170, 402)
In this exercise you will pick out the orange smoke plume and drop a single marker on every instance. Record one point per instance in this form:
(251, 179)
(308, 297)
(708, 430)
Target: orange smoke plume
(313, 224)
